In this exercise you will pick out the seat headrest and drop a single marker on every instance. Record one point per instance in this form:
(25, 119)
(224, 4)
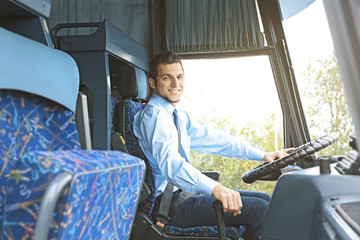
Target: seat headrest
(132, 82)
(32, 67)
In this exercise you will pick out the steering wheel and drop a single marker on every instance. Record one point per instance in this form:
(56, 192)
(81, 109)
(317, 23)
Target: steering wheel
(295, 155)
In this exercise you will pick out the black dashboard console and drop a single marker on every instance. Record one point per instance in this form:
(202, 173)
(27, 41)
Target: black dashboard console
(350, 165)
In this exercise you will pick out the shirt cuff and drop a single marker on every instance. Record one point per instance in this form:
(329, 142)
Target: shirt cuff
(206, 185)
(256, 154)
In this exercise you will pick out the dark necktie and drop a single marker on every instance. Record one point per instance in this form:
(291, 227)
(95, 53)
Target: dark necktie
(180, 149)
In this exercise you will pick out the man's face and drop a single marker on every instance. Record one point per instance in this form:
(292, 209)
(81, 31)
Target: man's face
(169, 82)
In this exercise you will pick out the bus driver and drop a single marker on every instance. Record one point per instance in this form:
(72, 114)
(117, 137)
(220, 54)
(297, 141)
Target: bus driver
(159, 139)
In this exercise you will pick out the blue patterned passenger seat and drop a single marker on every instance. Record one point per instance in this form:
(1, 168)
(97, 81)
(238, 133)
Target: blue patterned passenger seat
(144, 224)
(40, 149)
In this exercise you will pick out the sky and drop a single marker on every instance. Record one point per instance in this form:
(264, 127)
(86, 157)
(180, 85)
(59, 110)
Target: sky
(317, 44)
(242, 89)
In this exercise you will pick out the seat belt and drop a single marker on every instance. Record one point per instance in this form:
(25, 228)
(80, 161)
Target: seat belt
(118, 142)
(165, 203)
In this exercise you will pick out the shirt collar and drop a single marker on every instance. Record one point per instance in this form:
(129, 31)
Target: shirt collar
(162, 102)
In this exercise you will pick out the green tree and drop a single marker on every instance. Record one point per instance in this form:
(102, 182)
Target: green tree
(328, 111)
(231, 169)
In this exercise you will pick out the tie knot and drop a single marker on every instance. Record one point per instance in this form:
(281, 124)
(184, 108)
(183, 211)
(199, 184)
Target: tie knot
(175, 113)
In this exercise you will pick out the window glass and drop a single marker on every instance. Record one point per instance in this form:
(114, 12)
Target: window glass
(312, 53)
(237, 95)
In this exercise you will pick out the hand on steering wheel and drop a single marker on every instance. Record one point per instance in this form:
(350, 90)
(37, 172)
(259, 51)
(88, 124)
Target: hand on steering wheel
(272, 156)
(295, 155)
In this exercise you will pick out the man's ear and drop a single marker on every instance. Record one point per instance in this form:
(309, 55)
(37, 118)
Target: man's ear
(152, 83)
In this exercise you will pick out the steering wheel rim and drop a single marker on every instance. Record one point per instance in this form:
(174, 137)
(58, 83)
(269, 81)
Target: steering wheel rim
(297, 154)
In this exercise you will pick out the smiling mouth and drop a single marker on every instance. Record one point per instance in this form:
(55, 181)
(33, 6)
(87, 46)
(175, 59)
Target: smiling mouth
(174, 91)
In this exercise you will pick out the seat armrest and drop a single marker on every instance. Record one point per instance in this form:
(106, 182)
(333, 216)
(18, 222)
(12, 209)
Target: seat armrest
(48, 204)
(215, 175)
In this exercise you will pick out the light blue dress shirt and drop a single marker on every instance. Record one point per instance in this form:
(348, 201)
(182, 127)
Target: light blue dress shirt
(158, 138)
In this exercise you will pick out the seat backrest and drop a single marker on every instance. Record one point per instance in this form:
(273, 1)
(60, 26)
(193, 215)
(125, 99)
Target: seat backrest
(127, 110)
(133, 89)
(28, 121)
(36, 124)
(31, 123)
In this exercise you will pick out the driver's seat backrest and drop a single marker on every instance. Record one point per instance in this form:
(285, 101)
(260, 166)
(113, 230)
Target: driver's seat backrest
(125, 112)
(133, 89)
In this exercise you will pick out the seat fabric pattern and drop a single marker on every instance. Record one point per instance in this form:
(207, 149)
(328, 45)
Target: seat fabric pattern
(112, 179)
(31, 123)
(204, 231)
(38, 141)
(130, 109)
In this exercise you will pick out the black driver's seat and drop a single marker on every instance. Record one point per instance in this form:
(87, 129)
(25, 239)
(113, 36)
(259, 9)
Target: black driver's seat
(145, 226)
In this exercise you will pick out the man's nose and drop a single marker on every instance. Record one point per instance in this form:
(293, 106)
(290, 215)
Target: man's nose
(174, 82)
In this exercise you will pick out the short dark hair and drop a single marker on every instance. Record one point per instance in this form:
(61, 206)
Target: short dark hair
(162, 58)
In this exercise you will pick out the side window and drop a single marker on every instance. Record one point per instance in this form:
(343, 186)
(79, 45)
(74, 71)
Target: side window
(237, 95)
(318, 77)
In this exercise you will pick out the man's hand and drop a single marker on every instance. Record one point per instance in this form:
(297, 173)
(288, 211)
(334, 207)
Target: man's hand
(271, 156)
(230, 199)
